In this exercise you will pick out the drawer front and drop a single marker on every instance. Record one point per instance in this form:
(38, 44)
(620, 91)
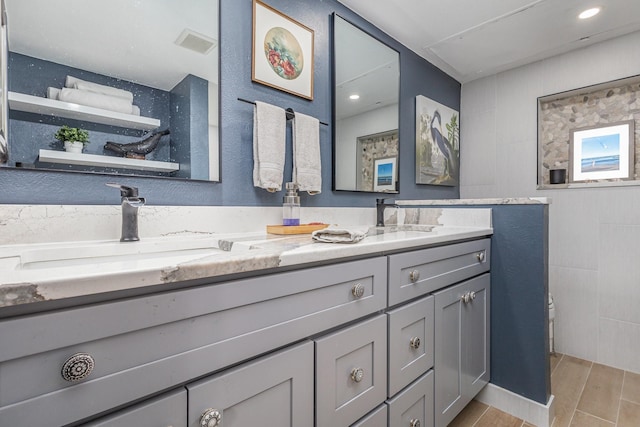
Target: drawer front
(376, 418)
(167, 410)
(275, 390)
(351, 367)
(183, 335)
(417, 273)
(410, 343)
(415, 403)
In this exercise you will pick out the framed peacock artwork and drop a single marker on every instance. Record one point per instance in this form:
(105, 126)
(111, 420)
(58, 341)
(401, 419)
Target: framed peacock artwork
(282, 52)
(437, 143)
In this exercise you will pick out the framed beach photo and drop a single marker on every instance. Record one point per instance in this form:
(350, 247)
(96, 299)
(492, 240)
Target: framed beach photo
(384, 174)
(282, 54)
(602, 152)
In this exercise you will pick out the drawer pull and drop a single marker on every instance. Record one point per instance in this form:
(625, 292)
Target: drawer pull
(466, 297)
(480, 256)
(414, 275)
(211, 418)
(78, 367)
(415, 343)
(414, 423)
(472, 295)
(357, 374)
(357, 290)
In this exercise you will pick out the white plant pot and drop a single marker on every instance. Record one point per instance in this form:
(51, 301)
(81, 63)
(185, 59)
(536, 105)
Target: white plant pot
(73, 146)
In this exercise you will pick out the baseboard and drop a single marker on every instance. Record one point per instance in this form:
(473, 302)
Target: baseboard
(519, 406)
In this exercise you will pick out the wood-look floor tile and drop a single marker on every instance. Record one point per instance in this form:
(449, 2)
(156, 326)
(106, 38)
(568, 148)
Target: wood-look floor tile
(602, 392)
(629, 415)
(581, 419)
(631, 388)
(469, 415)
(496, 418)
(528, 425)
(567, 383)
(555, 359)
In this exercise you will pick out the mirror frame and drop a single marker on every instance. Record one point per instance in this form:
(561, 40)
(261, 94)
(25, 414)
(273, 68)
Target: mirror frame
(4, 114)
(334, 107)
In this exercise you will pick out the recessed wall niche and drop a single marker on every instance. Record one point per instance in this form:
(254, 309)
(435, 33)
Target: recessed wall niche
(601, 105)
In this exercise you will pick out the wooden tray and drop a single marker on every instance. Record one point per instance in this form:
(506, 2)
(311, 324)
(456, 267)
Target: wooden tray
(295, 229)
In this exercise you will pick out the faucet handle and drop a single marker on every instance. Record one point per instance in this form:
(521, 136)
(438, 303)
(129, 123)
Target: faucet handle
(125, 191)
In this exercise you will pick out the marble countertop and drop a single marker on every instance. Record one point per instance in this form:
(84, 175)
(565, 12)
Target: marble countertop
(56, 271)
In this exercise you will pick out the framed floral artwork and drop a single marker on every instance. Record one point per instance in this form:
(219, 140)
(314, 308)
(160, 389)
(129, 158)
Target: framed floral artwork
(282, 54)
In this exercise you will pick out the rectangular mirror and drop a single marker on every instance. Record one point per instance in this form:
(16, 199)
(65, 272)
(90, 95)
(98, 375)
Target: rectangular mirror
(140, 75)
(365, 95)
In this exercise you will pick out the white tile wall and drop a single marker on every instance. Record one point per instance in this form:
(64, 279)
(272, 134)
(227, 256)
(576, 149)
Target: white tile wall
(594, 234)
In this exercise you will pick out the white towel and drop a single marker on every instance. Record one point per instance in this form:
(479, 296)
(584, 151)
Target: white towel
(96, 100)
(307, 170)
(75, 83)
(53, 92)
(269, 124)
(331, 234)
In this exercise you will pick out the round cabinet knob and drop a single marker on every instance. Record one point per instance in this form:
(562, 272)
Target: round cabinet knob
(357, 290)
(472, 295)
(414, 423)
(357, 374)
(480, 256)
(414, 275)
(78, 367)
(465, 298)
(415, 342)
(211, 418)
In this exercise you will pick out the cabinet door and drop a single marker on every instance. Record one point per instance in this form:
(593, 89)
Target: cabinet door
(167, 410)
(274, 390)
(376, 418)
(414, 405)
(351, 372)
(461, 362)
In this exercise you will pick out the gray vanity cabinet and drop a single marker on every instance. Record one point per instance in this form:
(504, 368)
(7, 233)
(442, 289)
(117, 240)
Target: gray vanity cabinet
(461, 365)
(413, 407)
(376, 418)
(276, 390)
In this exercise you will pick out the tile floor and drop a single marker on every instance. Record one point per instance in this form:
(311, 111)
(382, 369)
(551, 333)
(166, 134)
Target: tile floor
(587, 394)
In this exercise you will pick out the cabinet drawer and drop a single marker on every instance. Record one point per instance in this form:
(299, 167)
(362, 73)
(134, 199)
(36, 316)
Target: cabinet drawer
(413, 403)
(417, 273)
(376, 418)
(351, 367)
(410, 343)
(152, 343)
(167, 410)
(274, 390)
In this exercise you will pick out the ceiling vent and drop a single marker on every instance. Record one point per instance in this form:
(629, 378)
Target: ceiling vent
(197, 42)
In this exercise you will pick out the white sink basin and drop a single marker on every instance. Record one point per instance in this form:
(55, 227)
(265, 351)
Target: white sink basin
(147, 252)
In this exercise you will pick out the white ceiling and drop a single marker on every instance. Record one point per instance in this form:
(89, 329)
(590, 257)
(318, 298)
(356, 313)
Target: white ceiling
(469, 39)
(128, 39)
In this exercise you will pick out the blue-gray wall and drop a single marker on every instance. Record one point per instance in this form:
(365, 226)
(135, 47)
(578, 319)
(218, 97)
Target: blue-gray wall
(417, 77)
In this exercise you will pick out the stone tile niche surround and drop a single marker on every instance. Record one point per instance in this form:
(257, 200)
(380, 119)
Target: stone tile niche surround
(561, 113)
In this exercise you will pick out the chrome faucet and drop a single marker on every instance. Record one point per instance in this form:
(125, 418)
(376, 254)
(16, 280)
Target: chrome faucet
(380, 205)
(130, 204)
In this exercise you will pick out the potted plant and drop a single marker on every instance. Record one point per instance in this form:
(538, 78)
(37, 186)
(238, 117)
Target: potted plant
(74, 139)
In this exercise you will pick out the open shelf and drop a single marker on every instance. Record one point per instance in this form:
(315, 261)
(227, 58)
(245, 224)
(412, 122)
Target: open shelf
(53, 107)
(52, 156)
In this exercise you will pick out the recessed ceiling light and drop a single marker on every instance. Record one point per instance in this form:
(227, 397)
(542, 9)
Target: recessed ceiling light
(589, 13)
(354, 97)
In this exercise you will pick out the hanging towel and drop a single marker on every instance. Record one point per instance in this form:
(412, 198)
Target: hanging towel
(307, 171)
(97, 100)
(75, 83)
(269, 124)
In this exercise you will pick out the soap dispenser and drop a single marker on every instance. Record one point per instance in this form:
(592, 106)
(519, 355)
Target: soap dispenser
(291, 205)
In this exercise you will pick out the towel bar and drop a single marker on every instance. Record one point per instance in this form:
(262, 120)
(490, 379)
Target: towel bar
(289, 111)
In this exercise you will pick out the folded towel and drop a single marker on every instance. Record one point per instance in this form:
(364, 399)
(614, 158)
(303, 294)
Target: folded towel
(307, 171)
(53, 92)
(135, 110)
(352, 234)
(97, 100)
(75, 83)
(269, 124)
